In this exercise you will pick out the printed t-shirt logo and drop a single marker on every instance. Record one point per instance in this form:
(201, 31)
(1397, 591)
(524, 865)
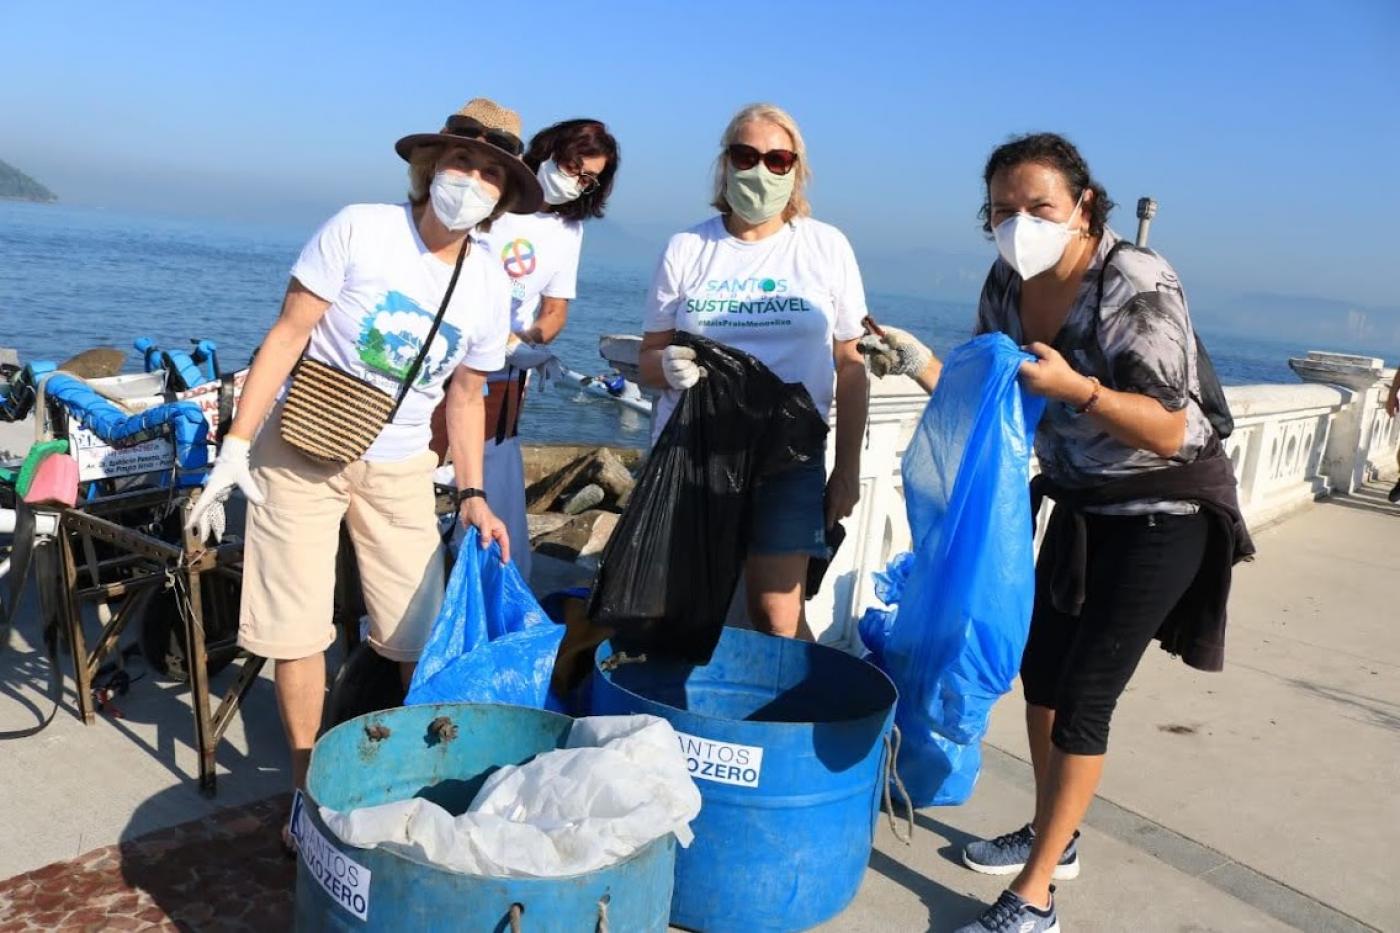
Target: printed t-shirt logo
(748, 300)
(518, 257)
(391, 337)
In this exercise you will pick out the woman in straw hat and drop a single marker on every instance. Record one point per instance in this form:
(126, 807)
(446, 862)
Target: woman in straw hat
(765, 278)
(363, 299)
(575, 162)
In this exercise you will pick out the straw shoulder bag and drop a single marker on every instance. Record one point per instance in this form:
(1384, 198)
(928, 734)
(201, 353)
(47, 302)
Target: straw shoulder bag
(333, 416)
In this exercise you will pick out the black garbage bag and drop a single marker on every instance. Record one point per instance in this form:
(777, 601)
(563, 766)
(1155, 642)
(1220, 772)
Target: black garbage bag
(669, 572)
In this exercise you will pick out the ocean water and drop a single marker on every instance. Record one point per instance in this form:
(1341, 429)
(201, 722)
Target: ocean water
(73, 278)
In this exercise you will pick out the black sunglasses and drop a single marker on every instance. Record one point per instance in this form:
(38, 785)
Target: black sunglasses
(777, 161)
(472, 128)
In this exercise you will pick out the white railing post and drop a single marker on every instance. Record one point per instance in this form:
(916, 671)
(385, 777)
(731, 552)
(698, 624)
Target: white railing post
(1360, 434)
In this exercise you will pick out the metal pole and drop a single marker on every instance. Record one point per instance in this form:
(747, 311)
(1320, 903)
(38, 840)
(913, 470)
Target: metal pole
(1146, 210)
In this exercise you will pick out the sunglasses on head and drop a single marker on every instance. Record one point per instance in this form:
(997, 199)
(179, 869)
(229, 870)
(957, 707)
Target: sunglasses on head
(471, 128)
(777, 161)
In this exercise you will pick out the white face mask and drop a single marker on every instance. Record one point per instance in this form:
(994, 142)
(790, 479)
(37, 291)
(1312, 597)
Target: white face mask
(459, 201)
(1031, 245)
(559, 186)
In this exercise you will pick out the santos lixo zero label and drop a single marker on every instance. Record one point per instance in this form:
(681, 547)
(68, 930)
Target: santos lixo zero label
(344, 879)
(721, 762)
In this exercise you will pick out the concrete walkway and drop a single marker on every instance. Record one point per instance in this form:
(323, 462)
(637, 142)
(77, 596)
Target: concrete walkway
(1266, 797)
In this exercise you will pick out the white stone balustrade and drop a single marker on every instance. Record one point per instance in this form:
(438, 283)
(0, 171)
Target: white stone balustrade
(1292, 444)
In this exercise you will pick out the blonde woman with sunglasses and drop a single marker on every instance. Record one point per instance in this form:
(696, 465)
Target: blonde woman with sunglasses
(765, 278)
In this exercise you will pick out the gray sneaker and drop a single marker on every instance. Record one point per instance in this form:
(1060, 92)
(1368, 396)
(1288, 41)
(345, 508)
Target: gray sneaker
(1010, 914)
(1006, 855)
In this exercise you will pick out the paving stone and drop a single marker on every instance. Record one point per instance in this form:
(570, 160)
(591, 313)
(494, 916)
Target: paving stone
(164, 881)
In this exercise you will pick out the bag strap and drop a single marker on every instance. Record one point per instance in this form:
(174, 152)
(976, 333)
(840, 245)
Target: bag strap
(1200, 347)
(1103, 271)
(432, 332)
(228, 398)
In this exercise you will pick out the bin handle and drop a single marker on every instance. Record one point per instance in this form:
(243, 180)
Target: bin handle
(892, 776)
(517, 910)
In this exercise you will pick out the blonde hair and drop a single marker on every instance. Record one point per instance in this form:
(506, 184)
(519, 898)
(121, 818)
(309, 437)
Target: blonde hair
(422, 166)
(797, 205)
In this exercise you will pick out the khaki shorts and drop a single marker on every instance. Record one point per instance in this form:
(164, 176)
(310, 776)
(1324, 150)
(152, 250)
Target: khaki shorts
(290, 549)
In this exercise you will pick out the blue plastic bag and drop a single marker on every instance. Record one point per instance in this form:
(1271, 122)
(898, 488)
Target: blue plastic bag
(491, 643)
(962, 600)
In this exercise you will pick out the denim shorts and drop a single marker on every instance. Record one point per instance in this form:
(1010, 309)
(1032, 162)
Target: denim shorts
(789, 513)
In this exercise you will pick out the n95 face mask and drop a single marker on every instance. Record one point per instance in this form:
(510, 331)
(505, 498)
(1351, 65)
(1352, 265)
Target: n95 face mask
(1031, 245)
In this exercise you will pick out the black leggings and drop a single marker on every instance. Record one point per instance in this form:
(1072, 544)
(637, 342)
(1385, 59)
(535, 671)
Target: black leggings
(1137, 569)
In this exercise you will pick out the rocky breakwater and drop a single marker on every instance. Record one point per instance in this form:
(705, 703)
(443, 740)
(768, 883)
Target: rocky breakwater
(574, 497)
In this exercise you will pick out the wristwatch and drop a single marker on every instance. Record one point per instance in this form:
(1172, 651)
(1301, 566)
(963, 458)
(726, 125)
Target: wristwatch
(470, 493)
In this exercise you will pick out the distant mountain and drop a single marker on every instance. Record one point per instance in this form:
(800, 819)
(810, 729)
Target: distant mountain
(1320, 321)
(18, 186)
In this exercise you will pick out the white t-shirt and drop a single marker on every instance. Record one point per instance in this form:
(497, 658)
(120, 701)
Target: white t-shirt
(783, 299)
(385, 288)
(540, 254)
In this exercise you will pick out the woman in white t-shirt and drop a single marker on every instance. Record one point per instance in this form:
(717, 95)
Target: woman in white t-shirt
(765, 278)
(575, 162)
(363, 297)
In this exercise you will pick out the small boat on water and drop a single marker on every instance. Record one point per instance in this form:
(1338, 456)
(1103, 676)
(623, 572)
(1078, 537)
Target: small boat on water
(612, 386)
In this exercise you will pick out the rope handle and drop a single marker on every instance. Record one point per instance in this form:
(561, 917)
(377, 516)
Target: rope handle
(517, 911)
(891, 775)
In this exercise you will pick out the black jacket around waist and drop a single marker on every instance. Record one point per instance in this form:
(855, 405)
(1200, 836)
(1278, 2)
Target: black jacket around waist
(1195, 628)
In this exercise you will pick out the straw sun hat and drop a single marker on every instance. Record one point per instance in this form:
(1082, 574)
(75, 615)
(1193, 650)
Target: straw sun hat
(493, 130)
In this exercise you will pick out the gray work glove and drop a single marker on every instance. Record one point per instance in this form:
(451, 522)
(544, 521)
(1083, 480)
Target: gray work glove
(897, 353)
(522, 355)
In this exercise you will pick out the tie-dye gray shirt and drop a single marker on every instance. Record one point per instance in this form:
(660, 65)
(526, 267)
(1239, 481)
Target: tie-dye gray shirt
(1143, 343)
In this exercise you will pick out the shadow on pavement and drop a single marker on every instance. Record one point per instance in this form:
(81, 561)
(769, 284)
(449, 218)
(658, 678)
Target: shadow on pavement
(1367, 499)
(947, 909)
(1376, 712)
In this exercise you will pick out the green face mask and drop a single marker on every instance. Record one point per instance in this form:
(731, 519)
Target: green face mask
(756, 194)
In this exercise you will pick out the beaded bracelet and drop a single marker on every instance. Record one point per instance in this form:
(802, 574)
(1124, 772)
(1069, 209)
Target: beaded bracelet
(1093, 398)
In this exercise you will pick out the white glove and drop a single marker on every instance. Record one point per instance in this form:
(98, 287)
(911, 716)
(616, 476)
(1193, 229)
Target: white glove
(230, 469)
(524, 355)
(898, 353)
(679, 367)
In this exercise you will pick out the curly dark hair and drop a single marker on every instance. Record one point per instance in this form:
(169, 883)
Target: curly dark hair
(569, 142)
(1053, 151)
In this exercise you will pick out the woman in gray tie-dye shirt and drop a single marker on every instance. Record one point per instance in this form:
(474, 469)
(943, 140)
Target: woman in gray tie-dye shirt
(1138, 341)
(1119, 372)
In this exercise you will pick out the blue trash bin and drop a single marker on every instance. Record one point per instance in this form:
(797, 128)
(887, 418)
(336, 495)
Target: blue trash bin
(786, 741)
(402, 753)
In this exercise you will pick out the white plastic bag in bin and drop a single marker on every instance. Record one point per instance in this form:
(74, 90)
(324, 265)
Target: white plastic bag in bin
(620, 782)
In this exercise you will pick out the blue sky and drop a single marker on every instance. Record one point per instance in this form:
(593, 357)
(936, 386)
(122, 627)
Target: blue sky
(1267, 131)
